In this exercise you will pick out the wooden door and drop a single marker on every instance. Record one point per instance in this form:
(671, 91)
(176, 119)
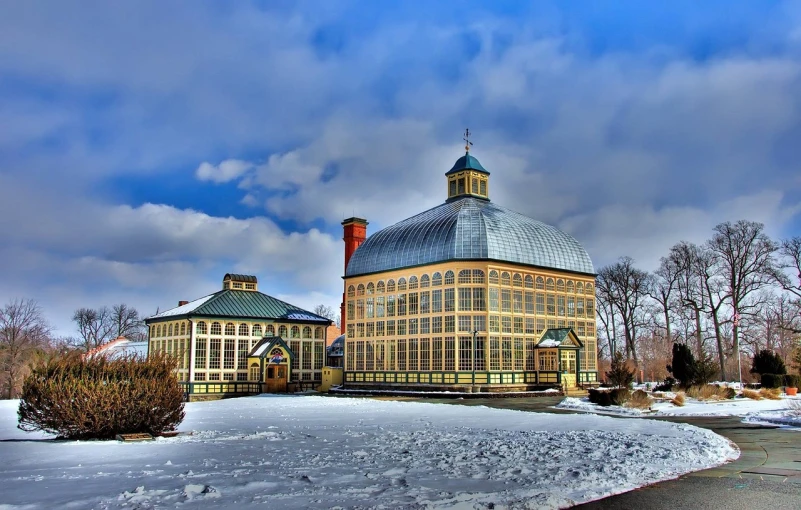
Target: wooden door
(568, 368)
(275, 378)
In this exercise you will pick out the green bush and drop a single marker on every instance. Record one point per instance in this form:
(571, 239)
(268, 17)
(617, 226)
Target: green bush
(605, 398)
(666, 385)
(98, 397)
(792, 380)
(620, 374)
(772, 380)
(768, 362)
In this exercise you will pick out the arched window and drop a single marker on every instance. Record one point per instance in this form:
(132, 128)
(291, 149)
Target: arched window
(360, 290)
(257, 330)
(318, 333)
(464, 276)
(529, 284)
(230, 329)
(282, 331)
(401, 284)
(506, 278)
(216, 328)
(569, 287)
(169, 328)
(243, 330)
(449, 277)
(436, 280)
(158, 331)
(588, 289)
(478, 276)
(493, 277)
(560, 285)
(549, 284)
(379, 288)
(351, 291)
(517, 280)
(540, 282)
(152, 331)
(391, 286)
(183, 328)
(295, 332)
(269, 330)
(253, 374)
(307, 332)
(201, 328)
(579, 288)
(370, 288)
(424, 281)
(412, 282)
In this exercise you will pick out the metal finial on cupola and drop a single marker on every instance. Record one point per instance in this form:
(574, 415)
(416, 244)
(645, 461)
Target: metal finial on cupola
(467, 142)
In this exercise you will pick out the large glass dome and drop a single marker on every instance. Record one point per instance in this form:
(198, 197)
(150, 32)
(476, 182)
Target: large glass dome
(469, 228)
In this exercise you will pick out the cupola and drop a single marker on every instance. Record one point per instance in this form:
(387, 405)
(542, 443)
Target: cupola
(240, 282)
(467, 177)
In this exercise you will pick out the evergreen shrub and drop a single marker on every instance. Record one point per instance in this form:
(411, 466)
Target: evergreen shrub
(666, 385)
(768, 362)
(620, 375)
(97, 397)
(792, 380)
(771, 381)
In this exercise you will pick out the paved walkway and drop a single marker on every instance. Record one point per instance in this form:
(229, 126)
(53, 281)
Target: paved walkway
(766, 475)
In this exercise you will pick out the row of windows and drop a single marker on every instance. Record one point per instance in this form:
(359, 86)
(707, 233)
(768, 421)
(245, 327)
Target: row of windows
(231, 354)
(216, 328)
(470, 299)
(178, 347)
(474, 277)
(465, 323)
(452, 353)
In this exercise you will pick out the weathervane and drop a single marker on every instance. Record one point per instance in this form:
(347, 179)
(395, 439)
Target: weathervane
(467, 142)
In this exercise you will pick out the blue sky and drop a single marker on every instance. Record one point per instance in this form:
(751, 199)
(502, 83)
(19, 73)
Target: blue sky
(147, 148)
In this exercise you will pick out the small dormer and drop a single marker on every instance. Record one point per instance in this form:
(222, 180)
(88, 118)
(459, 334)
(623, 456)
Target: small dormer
(240, 282)
(468, 178)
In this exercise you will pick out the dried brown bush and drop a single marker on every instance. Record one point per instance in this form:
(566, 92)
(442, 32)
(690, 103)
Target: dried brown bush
(710, 392)
(752, 394)
(678, 400)
(770, 393)
(639, 400)
(98, 397)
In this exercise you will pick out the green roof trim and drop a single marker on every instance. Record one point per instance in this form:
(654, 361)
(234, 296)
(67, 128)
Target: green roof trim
(560, 337)
(466, 162)
(242, 304)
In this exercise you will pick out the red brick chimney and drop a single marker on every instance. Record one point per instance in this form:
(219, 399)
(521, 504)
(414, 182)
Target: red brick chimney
(354, 232)
(182, 303)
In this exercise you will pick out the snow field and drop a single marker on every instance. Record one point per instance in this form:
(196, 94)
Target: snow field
(323, 452)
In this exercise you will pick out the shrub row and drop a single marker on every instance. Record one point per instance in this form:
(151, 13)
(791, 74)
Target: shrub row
(97, 397)
(779, 380)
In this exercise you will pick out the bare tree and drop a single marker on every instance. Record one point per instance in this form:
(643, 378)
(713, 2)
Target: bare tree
(23, 331)
(685, 257)
(126, 321)
(95, 327)
(745, 261)
(626, 288)
(664, 288)
(327, 312)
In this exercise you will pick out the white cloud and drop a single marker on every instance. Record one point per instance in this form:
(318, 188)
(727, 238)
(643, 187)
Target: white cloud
(226, 171)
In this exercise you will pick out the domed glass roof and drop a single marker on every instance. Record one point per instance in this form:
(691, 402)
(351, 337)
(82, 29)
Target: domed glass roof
(469, 229)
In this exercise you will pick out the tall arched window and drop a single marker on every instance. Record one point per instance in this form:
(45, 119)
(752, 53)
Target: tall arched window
(183, 328)
(436, 281)
(540, 282)
(560, 285)
(269, 330)
(506, 278)
(243, 330)
(169, 328)
(449, 278)
(493, 277)
(579, 288)
(569, 287)
(360, 290)
(257, 330)
(517, 280)
(424, 281)
(351, 291)
(412, 282)
(282, 331)
(401, 284)
(295, 332)
(318, 333)
(391, 286)
(201, 328)
(370, 288)
(549, 284)
(379, 288)
(307, 332)
(529, 284)
(230, 329)
(216, 328)
(478, 276)
(464, 276)
(588, 289)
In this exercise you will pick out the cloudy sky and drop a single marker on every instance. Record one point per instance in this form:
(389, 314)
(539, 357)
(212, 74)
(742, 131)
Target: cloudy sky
(146, 149)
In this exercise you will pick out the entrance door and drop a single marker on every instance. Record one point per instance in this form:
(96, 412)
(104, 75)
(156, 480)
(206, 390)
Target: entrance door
(567, 362)
(275, 379)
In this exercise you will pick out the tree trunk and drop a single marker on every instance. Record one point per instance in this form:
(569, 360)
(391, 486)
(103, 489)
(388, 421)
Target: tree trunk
(719, 339)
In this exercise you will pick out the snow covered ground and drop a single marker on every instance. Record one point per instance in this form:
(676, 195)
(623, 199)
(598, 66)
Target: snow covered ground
(752, 411)
(323, 452)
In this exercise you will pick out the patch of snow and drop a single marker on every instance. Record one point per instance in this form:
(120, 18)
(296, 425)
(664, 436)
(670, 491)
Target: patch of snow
(323, 452)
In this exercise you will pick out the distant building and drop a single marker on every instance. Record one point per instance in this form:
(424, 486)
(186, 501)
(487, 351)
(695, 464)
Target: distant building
(467, 294)
(219, 340)
(119, 347)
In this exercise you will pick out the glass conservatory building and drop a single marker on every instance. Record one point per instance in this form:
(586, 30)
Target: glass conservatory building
(467, 295)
